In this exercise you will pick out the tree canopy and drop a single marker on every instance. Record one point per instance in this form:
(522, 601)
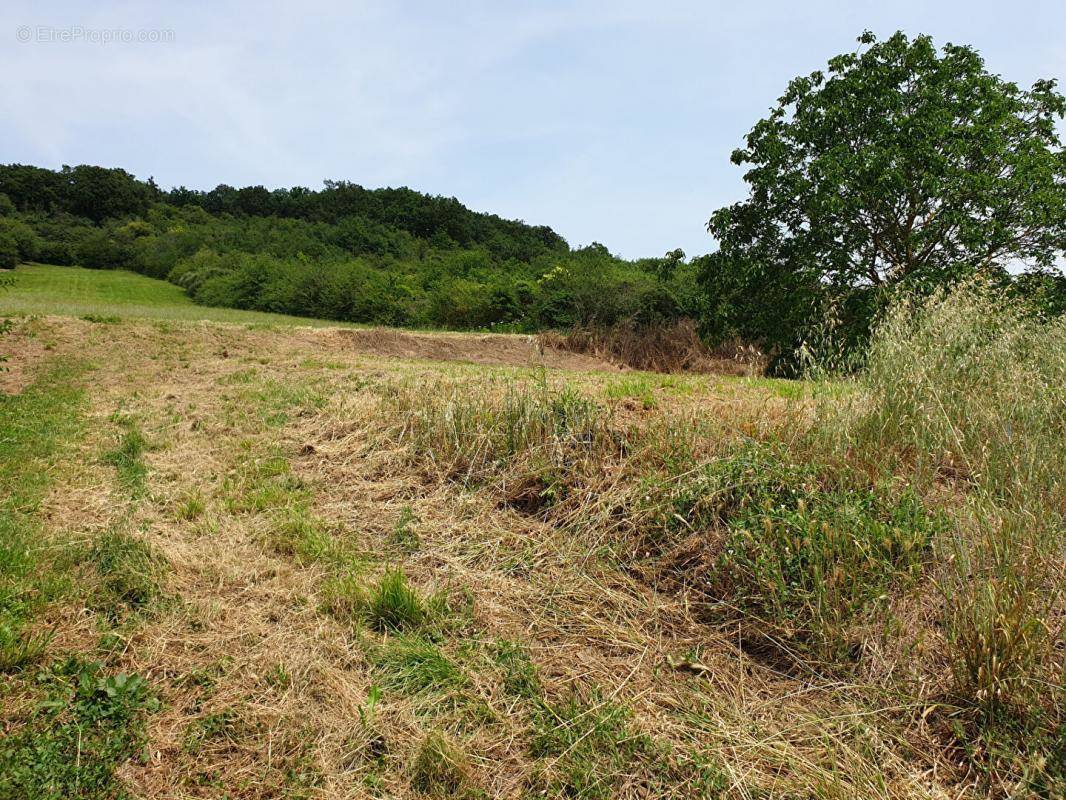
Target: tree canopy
(900, 163)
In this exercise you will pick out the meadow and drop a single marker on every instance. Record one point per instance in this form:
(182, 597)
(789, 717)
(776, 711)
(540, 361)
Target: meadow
(253, 560)
(47, 289)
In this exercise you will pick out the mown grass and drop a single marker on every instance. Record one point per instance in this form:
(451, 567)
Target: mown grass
(108, 296)
(588, 749)
(928, 488)
(84, 722)
(36, 428)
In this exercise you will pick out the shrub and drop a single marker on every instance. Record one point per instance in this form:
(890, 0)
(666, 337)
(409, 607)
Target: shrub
(9, 250)
(800, 551)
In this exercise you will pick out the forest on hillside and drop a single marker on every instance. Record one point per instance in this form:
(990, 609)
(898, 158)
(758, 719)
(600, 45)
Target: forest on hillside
(384, 256)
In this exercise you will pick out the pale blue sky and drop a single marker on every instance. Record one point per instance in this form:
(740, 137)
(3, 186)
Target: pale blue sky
(610, 122)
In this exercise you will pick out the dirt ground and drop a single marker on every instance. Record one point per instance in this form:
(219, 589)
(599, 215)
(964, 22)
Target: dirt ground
(473, 348)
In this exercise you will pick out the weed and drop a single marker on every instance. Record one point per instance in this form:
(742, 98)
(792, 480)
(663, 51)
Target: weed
(802, 551)
(279, 678)
(74, 741)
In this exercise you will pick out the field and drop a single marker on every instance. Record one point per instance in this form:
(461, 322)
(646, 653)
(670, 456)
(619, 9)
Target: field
(46, 289)
(276, 560)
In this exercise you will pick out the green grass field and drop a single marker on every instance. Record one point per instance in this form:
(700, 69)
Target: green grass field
(41, 289)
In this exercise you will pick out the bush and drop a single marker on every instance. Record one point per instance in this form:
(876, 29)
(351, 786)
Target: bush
(9, 250)
(27, 242)
(803, 554)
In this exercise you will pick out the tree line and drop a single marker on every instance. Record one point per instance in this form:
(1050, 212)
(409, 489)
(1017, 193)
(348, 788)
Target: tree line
(383, 256)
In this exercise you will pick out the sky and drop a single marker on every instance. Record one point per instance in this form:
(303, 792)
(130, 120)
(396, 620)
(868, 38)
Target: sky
(608, 121)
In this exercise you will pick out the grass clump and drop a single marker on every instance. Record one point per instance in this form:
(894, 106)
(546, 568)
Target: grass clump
(412, 665)
(73, 743)
(404, 537)
(440, 769)
(128, 570)
(19, 647)
(128, 457)
(965, 385)
(296, 532)
(390, 606)
(263, 483)
(102, 319)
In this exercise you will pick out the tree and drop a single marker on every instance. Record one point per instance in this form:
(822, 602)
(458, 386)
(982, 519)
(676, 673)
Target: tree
(9, 250)
(901, 164)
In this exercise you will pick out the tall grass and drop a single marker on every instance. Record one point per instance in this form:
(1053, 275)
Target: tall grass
(965, 385)
(966, 394)
(917, 511)
(469, 432)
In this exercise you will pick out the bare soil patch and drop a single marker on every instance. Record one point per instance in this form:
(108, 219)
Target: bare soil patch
(495, 349)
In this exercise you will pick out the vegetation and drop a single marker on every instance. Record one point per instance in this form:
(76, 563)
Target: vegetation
(89, 724)
(85, 720)
(347, 573)
(113, 295)
(516, 580)
(901, 168)
(386, 256)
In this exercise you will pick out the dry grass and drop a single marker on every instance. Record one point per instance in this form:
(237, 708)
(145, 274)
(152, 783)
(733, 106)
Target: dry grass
(570, 651)
(674, 347)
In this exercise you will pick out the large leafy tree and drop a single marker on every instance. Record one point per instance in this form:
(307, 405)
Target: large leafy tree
(899, 163)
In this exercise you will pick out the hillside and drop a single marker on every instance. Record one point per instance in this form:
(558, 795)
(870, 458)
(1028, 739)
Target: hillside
(374, 256)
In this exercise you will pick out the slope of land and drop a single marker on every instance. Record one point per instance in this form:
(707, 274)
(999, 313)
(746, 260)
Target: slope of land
(45, 289)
